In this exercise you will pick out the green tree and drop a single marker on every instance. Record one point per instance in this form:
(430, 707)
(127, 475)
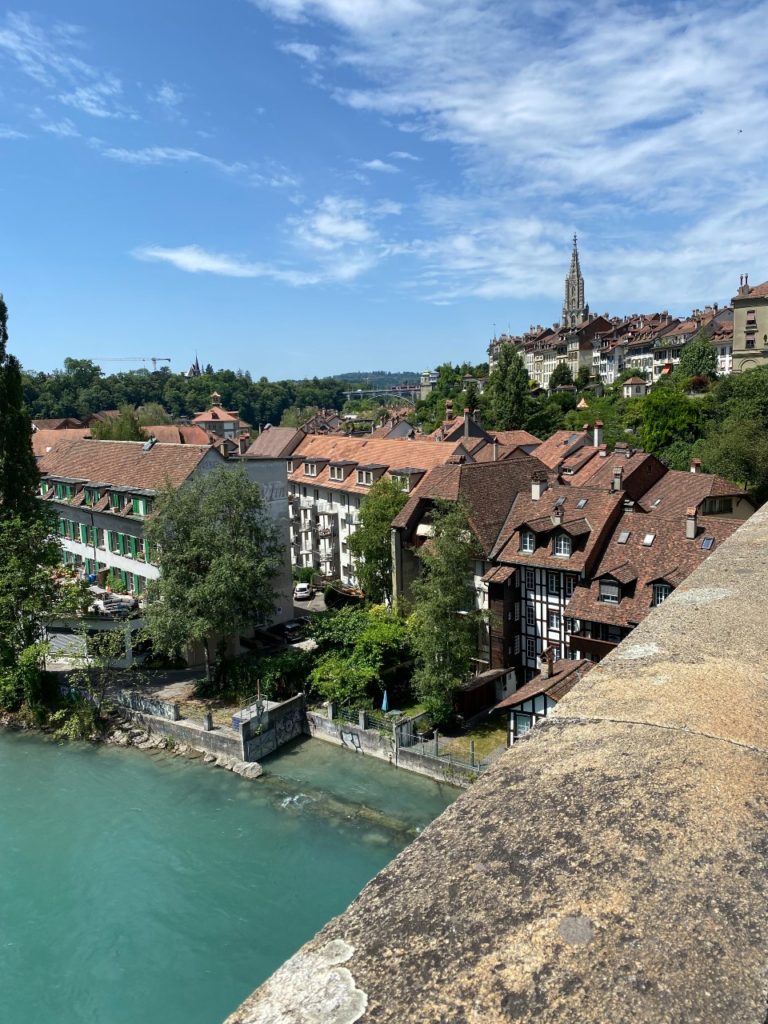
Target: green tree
(218, 553)
(124, 427)
(668, 416)
(445, 623)
(738, 450)
(583, 378)
(472, 397)
(698, 359)
(151, 414)
(371, 543)
(28, 550)
(560, 376)
(508, 398)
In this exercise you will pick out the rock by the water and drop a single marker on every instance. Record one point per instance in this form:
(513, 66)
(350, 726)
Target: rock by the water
(248, 769)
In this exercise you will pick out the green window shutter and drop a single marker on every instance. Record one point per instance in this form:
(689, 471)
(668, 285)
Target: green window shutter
(83, 533)
(134, 547)
(62, 528)
(70, 529)
(147, 553)
(108, 540)
(124, 577)
(136, 584)
(121, 543)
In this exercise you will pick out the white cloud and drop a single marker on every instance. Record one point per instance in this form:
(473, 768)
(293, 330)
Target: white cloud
(98, 99)
(64, 129)
(169, 98)
(307, 51)
(402, 154)
(627, 121)
(154, 156)
(380, 165)
(11, 133)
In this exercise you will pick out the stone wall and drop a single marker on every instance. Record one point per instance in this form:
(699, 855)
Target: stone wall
(213, 741)
(610, 867)
(149, 705)
(284, 724)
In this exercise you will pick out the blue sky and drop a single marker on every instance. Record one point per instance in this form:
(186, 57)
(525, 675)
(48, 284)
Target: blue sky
(300, 187)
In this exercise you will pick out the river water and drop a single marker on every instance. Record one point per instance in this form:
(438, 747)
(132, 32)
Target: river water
(146, 889)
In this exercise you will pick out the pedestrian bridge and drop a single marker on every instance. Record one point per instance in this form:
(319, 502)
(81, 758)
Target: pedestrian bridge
(611, 867)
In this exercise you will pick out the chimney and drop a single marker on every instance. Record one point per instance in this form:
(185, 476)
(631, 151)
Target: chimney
(695, 465)
(448, 409)
(618, 472)
(598, 433)
(466, 423)
(691, 524)
(495, 450)
(538, 486)
(243, 444)
(603, 453)
(557, 516)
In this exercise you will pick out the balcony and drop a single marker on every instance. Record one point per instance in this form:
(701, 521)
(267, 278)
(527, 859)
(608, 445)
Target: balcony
(588, 647)
(624, 881)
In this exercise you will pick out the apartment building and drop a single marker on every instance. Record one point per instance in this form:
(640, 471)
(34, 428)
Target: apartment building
(328, 477)
(750, 325)
(103, 492)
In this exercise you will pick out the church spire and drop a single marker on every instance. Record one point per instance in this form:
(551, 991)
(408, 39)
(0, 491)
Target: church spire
(575, 309)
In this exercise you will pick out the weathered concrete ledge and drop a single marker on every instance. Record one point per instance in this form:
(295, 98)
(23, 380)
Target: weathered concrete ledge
(612, 867)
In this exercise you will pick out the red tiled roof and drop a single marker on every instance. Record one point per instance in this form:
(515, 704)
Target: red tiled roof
(599, 514)
(677, 490)
(565, 675)
(758, 291)
(123, 463)
(514, 437)
(169, 433)
(559, 445)
(216, 415)
(275, 442)
(640, 471)
(44, 440)
(671, 558)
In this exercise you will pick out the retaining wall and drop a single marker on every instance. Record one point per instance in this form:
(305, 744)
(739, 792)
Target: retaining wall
(214, 741)
(284, 724)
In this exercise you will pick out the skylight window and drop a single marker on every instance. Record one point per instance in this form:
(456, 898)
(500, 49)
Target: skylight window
(623, 537)
(559, 502)
(707, 544)
(581, 502)
(655, 504)
(648, 539)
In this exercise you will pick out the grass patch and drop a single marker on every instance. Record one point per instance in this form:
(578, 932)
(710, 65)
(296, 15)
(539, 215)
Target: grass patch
(489, 736)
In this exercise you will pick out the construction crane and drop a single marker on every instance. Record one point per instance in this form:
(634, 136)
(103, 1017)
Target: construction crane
(136, 359)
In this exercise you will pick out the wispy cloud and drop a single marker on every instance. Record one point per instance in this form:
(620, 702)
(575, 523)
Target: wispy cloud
(64, 129)
(306, 51)
(51, 56)
(597, 116)
(402, 154)
(155, 156)
(11, 133)
(167, 96)
(380, 165)
(335, 241)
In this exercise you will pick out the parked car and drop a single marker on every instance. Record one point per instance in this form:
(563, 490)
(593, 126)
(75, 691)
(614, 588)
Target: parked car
(302, 592)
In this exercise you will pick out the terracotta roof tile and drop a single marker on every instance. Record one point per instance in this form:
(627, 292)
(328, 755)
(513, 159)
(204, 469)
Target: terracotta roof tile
(559, 445)
(677, 490)
(275, 442)
(44, 440)
(565, 675)
(124, 463)
(170, 433)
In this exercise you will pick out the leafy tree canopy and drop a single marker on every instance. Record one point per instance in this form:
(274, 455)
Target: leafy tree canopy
(371, 543)
(698, 359)
(560, 376)
(507, 394)
(218, 552)
(124, 427)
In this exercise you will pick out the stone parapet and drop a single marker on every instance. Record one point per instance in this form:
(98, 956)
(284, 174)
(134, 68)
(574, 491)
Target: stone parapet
(611, 867)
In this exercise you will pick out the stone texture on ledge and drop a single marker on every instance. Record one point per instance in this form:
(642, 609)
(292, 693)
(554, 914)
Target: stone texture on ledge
(612, 867)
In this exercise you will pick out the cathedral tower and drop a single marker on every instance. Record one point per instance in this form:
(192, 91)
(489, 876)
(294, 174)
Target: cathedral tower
(575, 311)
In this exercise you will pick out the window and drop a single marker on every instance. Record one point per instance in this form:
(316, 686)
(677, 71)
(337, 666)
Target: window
(139, 506)
(403, 482)
(707, 544)
(365, 477)
(661, 592)
(648, 539)
(750, 342)
(570, 585)
(623, 537)
(114, 500)
(568, 624)
(530, 579)
(554, 620)
(336, 473)
(610, 592)
(713, 506)
(530, 615)
(581, 503)
(517, 611)
(553, 582)
(530, 647)
(527, 541)
(563, 545)
(62, 528)
(289, 466)
(310, 469)
(516, 645)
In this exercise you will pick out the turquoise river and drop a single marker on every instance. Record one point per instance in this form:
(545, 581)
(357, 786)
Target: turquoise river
(147, 889)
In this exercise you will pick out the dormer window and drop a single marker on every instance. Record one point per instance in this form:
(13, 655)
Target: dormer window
(140, 506)
(403, 482)
(527, 542)
(610, 592)
(365, 477)
(563, 545)
(310, 469)
(115, 500)
(336, 473)
(661, 592)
